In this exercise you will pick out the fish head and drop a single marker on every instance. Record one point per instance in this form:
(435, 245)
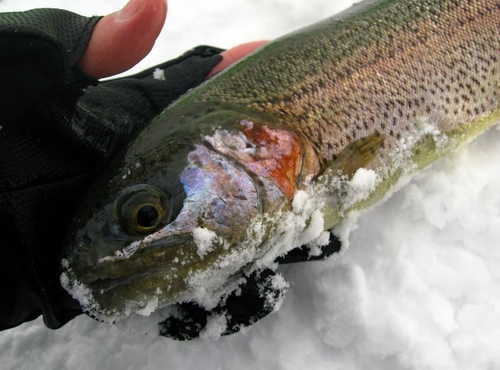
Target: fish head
(172, 217)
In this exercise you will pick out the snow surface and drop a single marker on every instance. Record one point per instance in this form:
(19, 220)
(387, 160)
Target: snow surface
(418, 287)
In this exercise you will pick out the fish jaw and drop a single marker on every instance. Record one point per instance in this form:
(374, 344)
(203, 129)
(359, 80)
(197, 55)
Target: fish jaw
(231, 175)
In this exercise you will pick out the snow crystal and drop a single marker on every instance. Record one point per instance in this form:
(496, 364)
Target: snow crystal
(150, 307)
(360, 187)
(159, 74)
(364, 181)
(78, 291)
(208, 287)
(145, 325)
(300, 201)
(314, 230)
(216, 325)
(281, 285)
(203, 239)
(316, 244)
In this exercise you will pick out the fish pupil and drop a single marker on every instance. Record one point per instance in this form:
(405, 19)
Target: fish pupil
(147, 216)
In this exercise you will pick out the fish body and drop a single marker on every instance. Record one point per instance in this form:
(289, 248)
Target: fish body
(200, 195)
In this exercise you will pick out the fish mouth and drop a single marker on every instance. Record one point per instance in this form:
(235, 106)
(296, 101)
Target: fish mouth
(104, 284)
(120, 285)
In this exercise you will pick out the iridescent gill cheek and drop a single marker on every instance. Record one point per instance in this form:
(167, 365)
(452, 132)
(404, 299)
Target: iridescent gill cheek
(220, 195)
(235, 175)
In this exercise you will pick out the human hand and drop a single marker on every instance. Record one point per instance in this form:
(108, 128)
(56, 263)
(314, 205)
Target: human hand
(122, 39)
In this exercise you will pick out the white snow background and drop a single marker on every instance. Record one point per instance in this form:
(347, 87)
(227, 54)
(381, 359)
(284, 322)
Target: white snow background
(418, 288)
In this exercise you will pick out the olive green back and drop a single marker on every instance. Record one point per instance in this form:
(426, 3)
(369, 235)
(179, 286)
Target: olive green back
(385, 68)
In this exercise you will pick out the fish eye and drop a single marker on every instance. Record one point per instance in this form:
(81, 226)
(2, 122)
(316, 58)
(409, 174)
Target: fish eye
(148, 215)
(141, 209)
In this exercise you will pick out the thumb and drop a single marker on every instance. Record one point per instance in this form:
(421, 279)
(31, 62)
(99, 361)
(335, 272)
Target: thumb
(120, 40)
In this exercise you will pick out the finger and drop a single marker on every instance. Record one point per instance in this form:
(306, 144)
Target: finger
(120, 40)
(232, 55)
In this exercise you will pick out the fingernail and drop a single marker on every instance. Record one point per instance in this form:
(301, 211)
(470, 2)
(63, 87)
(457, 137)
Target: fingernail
(131, 9)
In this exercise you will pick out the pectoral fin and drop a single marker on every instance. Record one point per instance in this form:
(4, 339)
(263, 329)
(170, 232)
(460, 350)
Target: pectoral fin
(356, 155)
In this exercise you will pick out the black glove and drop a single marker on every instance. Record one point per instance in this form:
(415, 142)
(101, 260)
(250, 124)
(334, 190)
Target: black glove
(256, 298)
(55, 136)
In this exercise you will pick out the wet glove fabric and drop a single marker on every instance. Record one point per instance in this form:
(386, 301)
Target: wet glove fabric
(56, 133)
(260, 294)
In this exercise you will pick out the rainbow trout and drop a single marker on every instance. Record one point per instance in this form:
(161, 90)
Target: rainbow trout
(280, 147)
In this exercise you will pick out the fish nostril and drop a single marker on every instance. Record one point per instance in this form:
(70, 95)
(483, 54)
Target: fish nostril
(84, 243)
